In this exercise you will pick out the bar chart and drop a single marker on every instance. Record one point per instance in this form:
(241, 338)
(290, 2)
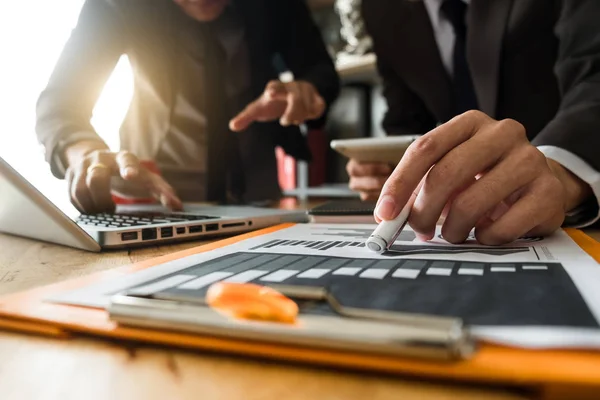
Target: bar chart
(482, 293)
(396, 249)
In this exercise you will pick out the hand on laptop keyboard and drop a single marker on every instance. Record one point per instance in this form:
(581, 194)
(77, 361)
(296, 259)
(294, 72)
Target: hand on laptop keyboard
(90, 174)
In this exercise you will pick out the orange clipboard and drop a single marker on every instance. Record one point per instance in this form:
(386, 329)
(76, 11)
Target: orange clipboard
(553, 373)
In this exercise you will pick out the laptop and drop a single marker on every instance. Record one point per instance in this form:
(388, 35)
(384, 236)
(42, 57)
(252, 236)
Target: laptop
(25, 211)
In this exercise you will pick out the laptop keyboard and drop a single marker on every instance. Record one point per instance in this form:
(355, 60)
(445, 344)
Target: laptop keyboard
(128, 220)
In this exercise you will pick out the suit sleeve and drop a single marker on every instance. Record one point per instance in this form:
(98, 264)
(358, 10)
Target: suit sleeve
(576, 126)
(65, 107)
(406, 113)
(303, 50)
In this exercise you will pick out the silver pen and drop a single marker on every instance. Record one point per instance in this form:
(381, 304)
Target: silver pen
(387, 232)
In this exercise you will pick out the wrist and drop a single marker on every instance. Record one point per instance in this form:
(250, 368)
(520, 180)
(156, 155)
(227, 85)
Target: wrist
(576, 191)
(75, 152)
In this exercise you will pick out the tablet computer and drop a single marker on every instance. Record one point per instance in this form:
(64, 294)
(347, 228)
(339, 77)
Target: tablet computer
(389, 149)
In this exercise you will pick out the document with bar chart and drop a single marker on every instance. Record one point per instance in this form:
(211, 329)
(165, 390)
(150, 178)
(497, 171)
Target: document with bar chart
(532, 292)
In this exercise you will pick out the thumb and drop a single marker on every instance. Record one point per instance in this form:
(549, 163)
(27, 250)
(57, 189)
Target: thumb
(318, 106)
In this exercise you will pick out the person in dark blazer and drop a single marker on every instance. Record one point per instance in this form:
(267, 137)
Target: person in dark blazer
(507, 97)
(203, 69)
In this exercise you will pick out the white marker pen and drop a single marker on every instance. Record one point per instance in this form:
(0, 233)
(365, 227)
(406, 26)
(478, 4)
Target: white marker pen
(387, 232)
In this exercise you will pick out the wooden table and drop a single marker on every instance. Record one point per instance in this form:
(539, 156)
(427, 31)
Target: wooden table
(34, 367)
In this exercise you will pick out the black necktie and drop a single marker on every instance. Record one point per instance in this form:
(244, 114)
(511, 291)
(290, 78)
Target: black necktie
(466, 99)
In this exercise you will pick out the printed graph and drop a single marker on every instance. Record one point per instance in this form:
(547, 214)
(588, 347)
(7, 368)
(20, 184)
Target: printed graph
(316, 244)
(534, 293)
(356, 233)
(396, 250)
(403, 250)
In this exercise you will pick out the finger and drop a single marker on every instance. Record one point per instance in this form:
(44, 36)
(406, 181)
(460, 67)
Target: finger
(423, 153)
(423, 224)
(101, 168)
(98, 184)
(104, 159)
(318, 106)
(169, 199)
(369, 196)
(539, 206)
(548, 227)
(275, 89)
(279, 96)
(128, 164)
(367, 183)
(80, 195)
(355, 168)
(161, 190)
(307, 92)
(384, 201)
(498, 211)
(455, 171)
(484, 196)
(248, 115)
(381, 203)
(295, 109)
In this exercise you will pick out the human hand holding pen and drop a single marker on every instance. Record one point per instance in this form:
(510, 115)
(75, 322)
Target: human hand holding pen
(482, 174)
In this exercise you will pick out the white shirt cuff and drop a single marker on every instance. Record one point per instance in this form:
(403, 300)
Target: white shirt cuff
(583, 170)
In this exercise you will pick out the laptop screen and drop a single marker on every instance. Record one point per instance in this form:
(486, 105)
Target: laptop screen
(37, 173)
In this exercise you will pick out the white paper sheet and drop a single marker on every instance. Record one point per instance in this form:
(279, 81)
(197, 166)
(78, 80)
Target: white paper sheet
(347, 241)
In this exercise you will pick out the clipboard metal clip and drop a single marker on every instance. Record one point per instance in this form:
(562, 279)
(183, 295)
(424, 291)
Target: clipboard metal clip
(352, 329)
(447, 333)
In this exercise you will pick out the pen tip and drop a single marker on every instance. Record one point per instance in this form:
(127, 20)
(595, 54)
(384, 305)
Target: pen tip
(374, 247)
(376, 244)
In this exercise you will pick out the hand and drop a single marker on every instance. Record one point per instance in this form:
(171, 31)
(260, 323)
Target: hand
(367, 178)
(90, 177)
(291, 103)
(480, 173)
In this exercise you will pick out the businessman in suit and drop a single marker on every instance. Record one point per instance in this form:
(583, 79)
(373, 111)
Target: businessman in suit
(203, 69)
(515, 89)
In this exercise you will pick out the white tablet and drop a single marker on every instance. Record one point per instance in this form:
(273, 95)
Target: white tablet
(389, 149)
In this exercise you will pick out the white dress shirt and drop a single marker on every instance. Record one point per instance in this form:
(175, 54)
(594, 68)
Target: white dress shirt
(444, 36)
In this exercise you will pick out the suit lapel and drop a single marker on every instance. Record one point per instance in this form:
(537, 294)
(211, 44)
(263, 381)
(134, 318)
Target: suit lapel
(419, 58)
(487, 21)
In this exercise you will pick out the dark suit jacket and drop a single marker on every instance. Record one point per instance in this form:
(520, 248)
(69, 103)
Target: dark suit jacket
(151, 33)
(536, 61)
